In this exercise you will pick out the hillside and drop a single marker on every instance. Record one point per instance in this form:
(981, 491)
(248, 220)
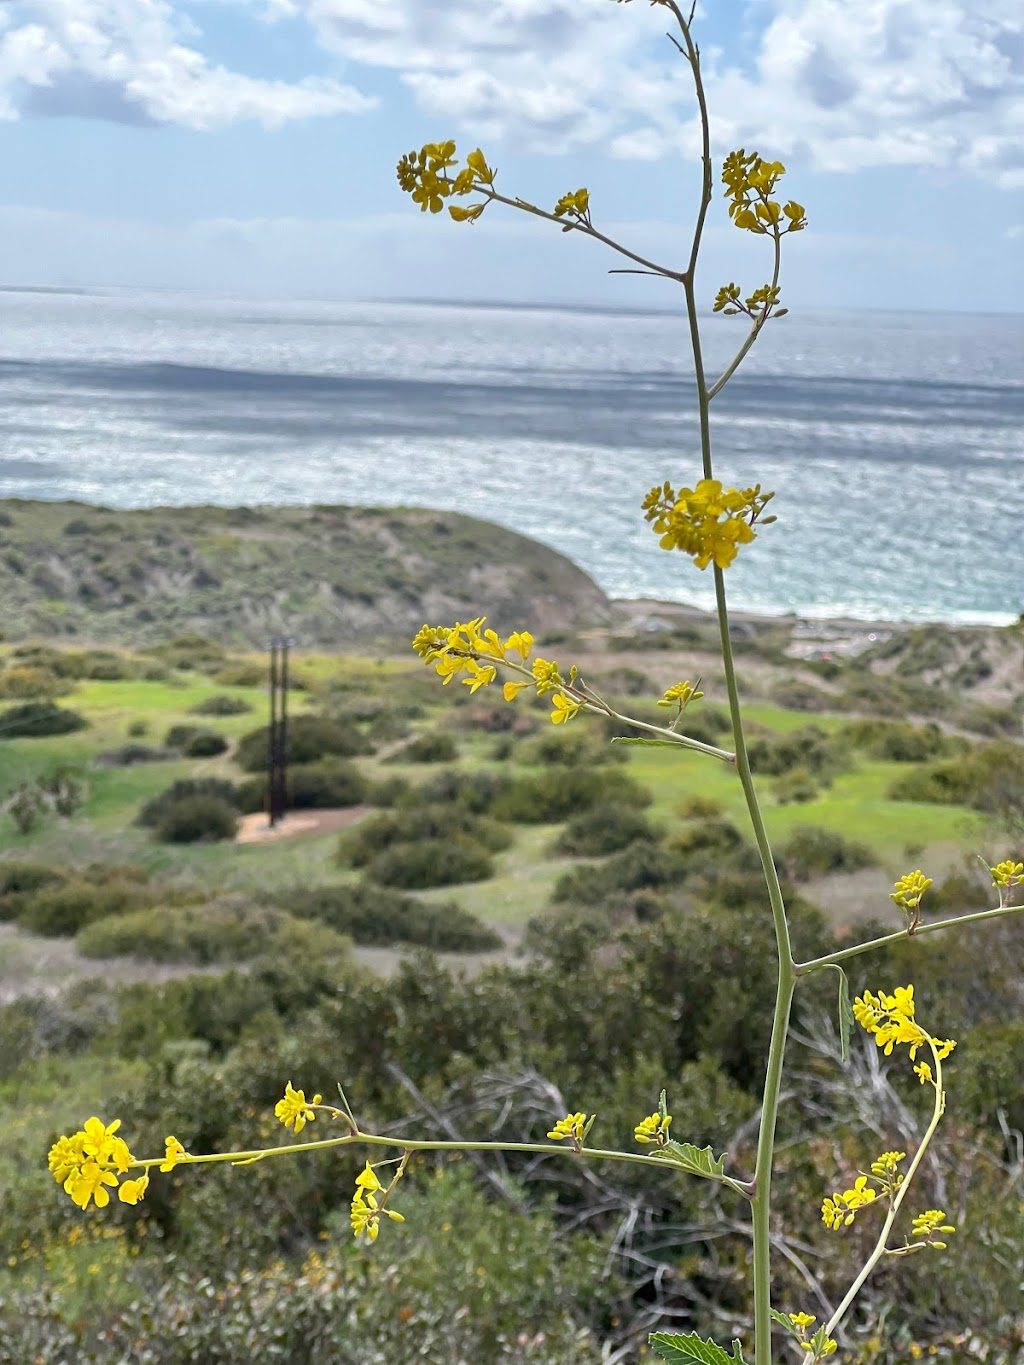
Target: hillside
(330, 576)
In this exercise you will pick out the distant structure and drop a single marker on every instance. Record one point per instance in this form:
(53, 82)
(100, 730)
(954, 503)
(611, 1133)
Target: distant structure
(277, 735)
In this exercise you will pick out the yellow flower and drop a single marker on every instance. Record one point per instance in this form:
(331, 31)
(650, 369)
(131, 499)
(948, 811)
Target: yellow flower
(173, 1153)
(707, 522)
(574, 1126)
(1007, 875)
(654, 1128)
(546, 676)
(365, 1211)
(89, 1182)
(131, 1191)
(465, 215)
(294, 1110)
(66, 1155)
(564, 708)
(521, 643)
(575, 204)
(511, 690)
(909, 889)
(478, 677)
(367, 1180)
(841, 1209)
(681, 694)
(802, 1320)
(926, 1224)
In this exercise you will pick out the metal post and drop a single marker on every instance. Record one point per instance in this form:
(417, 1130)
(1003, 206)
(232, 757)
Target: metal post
(277, 737)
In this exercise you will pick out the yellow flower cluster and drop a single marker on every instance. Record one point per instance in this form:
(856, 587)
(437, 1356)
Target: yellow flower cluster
(909, 889)
(575, 205)
(820, 1345)
(927, 1224)
(92, 1161)
(841, 1209)
(763, 300)
(573, 1126)
(749, 186)
(681, 694)
(654, 1128)
(431, 177)
(1006, 876)
(466, 648)
(886, 1171)
(891, 1019)
(708, 522)
(366, 1208)
(295, 1111)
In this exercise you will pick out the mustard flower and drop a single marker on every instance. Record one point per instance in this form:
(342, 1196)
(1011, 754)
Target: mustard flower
(801, 1321)
(511, 690)
(926, 1224)
(90, 1182)
(654, 1128)
(841, 1209)
(294, 1110)
(1006, 876)
(131, 1191)
(575, 205)
(173, 1153)
(564, 708)
(885, 1169)
(909, 889)
(574, 1126)
(681, 694)
(365, 1210)
(707, 522)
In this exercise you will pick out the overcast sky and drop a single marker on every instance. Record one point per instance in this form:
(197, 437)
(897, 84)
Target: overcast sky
(251, 144)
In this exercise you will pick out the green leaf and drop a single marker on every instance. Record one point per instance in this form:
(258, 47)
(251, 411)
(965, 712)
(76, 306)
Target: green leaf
(696, 1160)
(782, 1319)
(846, 1019)
(676, 1349)
(654, 743)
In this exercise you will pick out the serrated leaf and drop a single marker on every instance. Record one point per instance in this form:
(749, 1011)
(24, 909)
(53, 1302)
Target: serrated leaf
(737, 1350)
(782, 1319)
(696, 1160)
(691, 1349)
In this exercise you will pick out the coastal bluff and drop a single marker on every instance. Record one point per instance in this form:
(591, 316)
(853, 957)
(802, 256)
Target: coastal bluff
(329, 575)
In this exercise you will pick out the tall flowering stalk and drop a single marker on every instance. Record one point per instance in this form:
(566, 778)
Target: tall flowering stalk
(710, 524)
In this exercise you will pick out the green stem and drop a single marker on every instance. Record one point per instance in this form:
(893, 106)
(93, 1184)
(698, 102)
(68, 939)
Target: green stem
(901, 1194)
(832, 959)
(416, 1145)
(754, 332)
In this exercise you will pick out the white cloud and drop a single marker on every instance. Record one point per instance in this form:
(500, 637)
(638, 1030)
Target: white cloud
(845, 84)
(126, 61)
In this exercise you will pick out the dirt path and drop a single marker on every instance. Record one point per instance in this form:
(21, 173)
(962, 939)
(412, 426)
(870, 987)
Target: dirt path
(253, 829)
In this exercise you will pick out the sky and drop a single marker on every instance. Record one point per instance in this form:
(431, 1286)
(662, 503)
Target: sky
(250, 145)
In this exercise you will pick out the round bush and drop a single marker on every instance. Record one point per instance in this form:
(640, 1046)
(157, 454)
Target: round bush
(812, 852)
(29, 684)
(197, 819)
(437, 824)
(129, 754)
(153, 811)
(603, 829)
(205, 744)
(36, 719)
(222, 705)
(553, 796)
(61, 910)
(433, 747)
(326, 786)
(422, 863)
(374, 916)
(310, 739)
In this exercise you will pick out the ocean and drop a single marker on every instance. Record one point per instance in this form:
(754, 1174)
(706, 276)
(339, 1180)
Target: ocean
(894, 442)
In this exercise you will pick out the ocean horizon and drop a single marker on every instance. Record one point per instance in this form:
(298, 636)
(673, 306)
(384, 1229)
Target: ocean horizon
(894, 442)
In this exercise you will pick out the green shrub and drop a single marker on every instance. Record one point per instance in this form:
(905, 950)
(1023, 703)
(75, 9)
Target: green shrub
(433, 747)
(17, 876)
(700, 807)
(715, 836)
(901, 742)
(991, 778)
(127, 755)
(230, 929)
(197, 819)
(241, 673)
(330, 785)
(222, 705)
(29, 684)
(60, 910)
(381, 918)
(441, 824)
(153, 811)
(798, 786)
(205, 744)
(36, 719)
(797, 695)
(603, 829)
(417, 865)
(190, 651)
(813, 852)
(554, 796)
(640, 867)
(310, 739)
(474, 791)
(571, 749)
(810, 748)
